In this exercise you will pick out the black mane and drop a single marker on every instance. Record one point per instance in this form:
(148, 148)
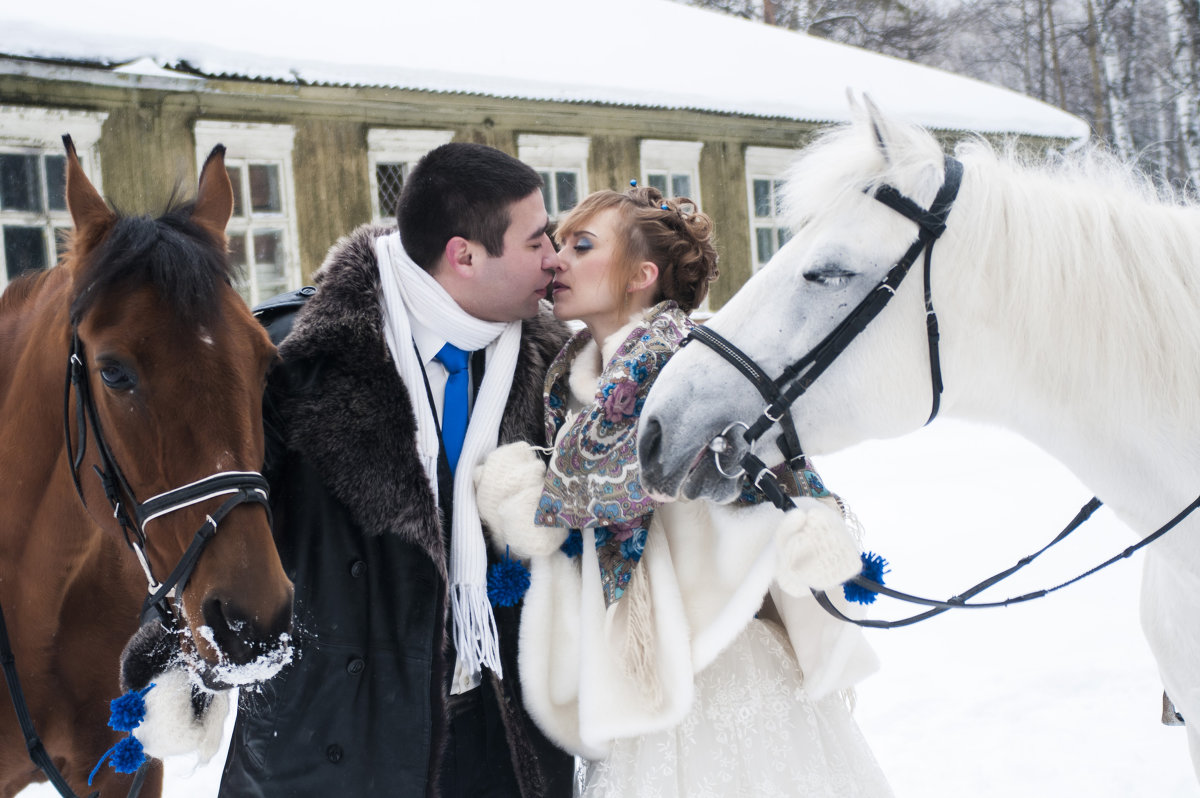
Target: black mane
(173, 254)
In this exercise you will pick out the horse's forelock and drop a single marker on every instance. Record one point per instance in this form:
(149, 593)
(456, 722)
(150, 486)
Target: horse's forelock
(172, 254)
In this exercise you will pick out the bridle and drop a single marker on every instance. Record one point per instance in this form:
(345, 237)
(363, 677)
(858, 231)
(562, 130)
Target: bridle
(780, 393)
(240, 486)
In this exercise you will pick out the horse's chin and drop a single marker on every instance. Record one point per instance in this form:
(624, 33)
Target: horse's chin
(704, 481)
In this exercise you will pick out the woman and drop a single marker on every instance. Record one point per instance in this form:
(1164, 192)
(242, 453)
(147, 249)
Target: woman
(675, 646)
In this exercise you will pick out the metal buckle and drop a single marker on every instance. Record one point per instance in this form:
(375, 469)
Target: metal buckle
(720, 444)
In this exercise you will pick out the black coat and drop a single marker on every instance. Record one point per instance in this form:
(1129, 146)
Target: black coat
(362, 710)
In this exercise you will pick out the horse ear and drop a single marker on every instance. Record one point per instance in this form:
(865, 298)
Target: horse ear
(89, 212)
(214, 201)
(878, 126)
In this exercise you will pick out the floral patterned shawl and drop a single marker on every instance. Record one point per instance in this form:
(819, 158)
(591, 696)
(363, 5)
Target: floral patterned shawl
(593, 479)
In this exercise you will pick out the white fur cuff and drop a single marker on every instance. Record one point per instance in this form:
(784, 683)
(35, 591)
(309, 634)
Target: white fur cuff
(508, 487)
(816, 549)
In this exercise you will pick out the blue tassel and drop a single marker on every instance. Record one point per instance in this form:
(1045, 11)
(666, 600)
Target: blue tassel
(125, 757)
(128, 711)
(874, 567)
(507, 581)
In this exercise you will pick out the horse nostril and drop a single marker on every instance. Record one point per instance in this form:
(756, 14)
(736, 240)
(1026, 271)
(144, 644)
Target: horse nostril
(649, 444)
(232, 634)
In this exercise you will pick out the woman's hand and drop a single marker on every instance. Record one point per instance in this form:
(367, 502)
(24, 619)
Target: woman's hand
(508, 487)
(816, 548)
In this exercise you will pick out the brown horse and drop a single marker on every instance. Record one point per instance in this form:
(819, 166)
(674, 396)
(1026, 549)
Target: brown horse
(173, 365)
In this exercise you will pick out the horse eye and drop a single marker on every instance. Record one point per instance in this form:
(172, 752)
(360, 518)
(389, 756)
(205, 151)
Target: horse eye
(117, 376)
(829, 275)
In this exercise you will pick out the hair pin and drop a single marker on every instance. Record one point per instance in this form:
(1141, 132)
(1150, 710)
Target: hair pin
(666, 207)
(633, 183)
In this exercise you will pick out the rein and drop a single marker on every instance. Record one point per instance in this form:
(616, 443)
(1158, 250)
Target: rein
(781, 392)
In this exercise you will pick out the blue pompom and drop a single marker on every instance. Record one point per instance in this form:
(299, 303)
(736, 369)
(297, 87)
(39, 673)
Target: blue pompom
(125, 757)
(874, 567)
(507, 582)
(128, 711)
(573, 545)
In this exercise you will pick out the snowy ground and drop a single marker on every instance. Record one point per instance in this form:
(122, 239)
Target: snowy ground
(1058, 698)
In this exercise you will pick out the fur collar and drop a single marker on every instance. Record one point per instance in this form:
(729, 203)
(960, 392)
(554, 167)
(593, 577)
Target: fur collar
(345, 408)
(584, 378)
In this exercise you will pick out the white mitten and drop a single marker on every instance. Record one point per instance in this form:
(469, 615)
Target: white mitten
(508, 487)
(816, 548)
(176, 724)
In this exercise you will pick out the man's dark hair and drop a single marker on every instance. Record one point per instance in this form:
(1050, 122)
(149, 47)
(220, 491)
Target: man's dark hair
(460, 189)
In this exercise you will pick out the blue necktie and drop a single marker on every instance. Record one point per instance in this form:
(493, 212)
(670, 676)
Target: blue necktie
(454, 401)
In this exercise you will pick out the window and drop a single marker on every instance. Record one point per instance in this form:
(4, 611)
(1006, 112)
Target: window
(34, 219)
(764, 178)
(262, 233)
(390, 155)
(562, 163)
(672, 167)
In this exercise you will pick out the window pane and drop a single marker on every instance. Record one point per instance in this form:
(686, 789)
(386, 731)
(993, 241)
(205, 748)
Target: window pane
(235, 177)
(56, 182)
(237, 251)
(269, 270)
(546, 200)
(783, 236)
(24, 249)
(777, 190)
(681, 186)
(766, 243)
(390, 179)
(762, 199)
(566, 185)
(264, 188)
(657, 181)
(20, 189)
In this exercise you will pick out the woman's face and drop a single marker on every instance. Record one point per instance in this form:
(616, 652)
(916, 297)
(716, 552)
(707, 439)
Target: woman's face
(583, 289)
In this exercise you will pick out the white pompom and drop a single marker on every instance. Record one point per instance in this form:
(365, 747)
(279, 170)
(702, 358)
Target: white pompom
(171, 727)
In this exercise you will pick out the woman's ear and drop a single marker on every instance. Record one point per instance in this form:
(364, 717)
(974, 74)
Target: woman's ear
(645, 276)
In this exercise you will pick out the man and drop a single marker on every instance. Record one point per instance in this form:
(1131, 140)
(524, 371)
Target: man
(403, 684)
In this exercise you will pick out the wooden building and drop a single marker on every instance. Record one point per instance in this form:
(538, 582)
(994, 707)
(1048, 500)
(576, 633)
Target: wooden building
(317, 146)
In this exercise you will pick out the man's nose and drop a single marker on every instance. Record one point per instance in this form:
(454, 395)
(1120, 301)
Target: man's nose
(552, 262)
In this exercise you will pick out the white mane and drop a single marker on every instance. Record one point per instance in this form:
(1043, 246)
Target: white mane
(1088, 262)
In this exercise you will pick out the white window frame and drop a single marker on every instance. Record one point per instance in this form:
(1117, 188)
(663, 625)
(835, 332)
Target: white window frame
(763, 163)
(662, 156)
(557, 154)
(27, 130)
(393, 145)
(247, 142)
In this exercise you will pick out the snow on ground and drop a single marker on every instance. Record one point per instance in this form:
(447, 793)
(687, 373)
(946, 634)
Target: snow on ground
(1054, 699)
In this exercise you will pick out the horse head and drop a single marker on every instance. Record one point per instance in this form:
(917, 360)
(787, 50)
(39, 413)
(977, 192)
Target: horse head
(174, 365)
(844, 242)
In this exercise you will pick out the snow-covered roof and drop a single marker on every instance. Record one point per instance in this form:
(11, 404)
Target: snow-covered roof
(647, 53)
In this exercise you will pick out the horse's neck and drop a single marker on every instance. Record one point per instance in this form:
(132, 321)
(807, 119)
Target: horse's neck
(1113, 392)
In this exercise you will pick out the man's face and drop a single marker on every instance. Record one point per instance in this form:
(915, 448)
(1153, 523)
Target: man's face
(507, 287)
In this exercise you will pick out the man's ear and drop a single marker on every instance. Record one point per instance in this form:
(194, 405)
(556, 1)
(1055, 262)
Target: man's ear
(645, 276)
(459, 255)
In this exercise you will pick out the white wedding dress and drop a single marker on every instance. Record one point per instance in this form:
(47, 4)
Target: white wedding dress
(752, 731)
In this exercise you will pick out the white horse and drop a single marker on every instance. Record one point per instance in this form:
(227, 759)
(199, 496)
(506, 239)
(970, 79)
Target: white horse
(1069, 307)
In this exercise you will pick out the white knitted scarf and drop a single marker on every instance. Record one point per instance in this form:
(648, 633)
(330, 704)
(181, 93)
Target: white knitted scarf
(409, 289)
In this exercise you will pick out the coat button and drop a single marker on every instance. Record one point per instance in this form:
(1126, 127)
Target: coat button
(355, 666)
(334, 753)
(307, 290)
(358, 569)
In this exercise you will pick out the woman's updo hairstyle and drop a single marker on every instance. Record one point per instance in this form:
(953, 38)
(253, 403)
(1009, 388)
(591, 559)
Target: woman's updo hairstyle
(670, 233)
